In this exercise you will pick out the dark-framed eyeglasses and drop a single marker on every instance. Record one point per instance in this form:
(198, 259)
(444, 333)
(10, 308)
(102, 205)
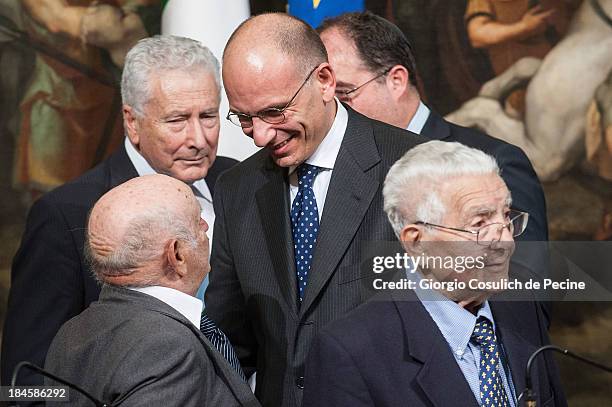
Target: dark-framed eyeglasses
(492, 232)
(345, 95)
(272, 115)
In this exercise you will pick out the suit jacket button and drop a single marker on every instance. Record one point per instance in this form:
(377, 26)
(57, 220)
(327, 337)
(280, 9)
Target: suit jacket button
(299, 382)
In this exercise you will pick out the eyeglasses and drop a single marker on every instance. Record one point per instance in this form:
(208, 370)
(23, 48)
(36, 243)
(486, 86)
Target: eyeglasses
(271, 115)
(346, 95)
(492, 232)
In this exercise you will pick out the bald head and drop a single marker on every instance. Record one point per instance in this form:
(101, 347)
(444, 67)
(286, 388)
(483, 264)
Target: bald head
(133, 226)
(272, 35)
(277, 63)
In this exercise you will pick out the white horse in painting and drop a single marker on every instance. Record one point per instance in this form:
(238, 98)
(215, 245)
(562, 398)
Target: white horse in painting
(558, 95)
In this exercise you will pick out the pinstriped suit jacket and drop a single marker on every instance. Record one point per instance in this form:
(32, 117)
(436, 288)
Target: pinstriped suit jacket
(252, 293)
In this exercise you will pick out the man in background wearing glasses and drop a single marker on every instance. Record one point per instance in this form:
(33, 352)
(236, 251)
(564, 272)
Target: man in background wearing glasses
(292, 221)
(376, 75)
(444, 346)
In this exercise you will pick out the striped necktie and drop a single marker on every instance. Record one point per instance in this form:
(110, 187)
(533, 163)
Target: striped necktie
(220, 341)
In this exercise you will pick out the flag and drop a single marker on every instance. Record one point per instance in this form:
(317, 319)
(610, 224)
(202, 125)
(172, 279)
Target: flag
(315, 11)
(212, 22)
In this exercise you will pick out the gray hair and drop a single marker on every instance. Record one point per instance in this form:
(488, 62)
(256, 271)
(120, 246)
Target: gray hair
(157, 54)
(411, 189)
(143, 243)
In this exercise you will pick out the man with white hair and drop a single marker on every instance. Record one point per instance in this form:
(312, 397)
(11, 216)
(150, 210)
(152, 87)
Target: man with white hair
(449, 345)
(140, 343)
(171, 93)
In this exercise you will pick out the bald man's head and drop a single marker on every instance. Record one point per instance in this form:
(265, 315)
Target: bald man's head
(135, 227)
(276, 33)
(279, 86)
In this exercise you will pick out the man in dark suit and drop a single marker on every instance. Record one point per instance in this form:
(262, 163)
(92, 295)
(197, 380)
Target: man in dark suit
(171, 92)
(376, 74)
(140, 343)
(294, 219)
(440, 341)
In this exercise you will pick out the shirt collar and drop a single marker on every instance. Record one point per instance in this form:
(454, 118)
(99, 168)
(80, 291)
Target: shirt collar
(188, 306)
(144, 168)
(455, 322)
(326, 153)
(418, 120)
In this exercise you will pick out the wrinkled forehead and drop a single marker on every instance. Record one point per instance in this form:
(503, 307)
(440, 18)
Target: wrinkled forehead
(473, 194)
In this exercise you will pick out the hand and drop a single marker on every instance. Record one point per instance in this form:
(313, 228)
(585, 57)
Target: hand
(535, 20)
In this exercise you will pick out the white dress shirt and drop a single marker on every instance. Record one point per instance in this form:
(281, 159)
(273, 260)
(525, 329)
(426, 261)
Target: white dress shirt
(325, 157)
(204, 197)
(418, 120)
(188, 306)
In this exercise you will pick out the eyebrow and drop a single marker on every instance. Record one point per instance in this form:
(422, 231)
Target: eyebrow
(488, 210)
(181, 113)
(481, 210)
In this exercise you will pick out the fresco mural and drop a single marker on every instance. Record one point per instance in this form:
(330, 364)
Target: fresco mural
(547, 88)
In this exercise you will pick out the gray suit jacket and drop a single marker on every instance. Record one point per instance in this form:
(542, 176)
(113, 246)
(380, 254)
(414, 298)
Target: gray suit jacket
(130, 349)
(252, 294)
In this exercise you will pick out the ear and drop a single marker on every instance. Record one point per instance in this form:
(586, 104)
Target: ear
(175, 258)
(327, 82)
(131, 125)
(398, 81)
(410, 237)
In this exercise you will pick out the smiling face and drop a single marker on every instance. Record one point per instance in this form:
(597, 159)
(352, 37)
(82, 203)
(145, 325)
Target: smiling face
(264, 79)
(179, 130)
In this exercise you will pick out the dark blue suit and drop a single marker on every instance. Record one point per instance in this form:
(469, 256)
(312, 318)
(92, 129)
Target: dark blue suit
(391, 353)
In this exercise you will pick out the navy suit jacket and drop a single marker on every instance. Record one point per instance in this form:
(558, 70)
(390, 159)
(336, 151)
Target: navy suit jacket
(50, 280)
(390, 352)
(516, 171)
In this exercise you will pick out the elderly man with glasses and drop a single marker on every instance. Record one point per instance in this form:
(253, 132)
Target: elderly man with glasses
(445, 342)
(293, 220)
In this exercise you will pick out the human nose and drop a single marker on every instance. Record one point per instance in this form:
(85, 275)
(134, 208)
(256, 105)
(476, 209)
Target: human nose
(262, 133)
(204, 224)
(197, 134)
(507, 232)
(503, 238)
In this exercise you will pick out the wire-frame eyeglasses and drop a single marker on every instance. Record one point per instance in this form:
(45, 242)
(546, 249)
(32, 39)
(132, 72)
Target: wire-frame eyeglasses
(270, 115)
(492, 232)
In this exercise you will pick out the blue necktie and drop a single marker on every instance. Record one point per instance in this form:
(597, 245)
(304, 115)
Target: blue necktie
(492, 392)
(304, 224)
(220, 341)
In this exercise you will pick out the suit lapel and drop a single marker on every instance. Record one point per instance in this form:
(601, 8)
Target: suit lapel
(350, 193)
(435, 128)
(237, 386)
(429, 347)
(121, 167)
(517, 348)
(273, 205)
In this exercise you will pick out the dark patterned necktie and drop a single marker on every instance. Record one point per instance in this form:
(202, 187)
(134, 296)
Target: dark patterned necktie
(492, 391)
(304, 224)
(220, 341)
